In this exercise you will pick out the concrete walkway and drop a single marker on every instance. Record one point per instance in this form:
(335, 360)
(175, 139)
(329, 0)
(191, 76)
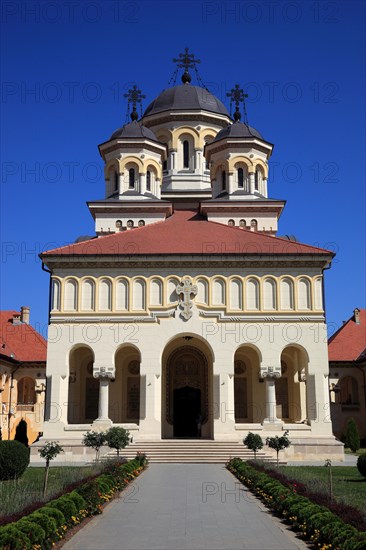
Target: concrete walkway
(185, 506)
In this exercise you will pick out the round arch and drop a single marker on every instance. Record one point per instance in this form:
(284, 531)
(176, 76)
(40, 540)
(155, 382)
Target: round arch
(187, 387)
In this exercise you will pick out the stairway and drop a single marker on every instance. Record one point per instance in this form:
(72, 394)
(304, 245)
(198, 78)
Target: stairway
(189, 451)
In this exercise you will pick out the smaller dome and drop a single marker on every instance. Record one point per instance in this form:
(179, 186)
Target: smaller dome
(238, 130)
(134, 130)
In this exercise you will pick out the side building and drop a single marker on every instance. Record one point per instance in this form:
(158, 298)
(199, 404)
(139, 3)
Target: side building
(347, 374)
(23, 354)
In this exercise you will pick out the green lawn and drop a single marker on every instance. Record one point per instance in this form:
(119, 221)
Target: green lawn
(348, 484)
(17, 495)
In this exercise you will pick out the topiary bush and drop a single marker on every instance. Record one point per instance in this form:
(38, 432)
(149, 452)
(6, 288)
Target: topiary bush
(32, 530)
(14, 538)
(352, 436)
(66, 506)
(361, 464)
(14, 460)
(53, 513)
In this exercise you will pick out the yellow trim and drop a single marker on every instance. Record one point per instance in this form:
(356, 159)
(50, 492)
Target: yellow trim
(185, 130)
(209, 280)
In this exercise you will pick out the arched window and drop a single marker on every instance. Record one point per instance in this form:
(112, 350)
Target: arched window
(240, 178)
(116, 181)
(122, 295)
(252, 294)
(185, 154)
(131, 178)
(242, 224)
(105, 295)
(287, 294)
(223, 180)
(156, 292)
(26, 391)
(148, 180)
(71, 296)
(56, 295)
(141, 223)
(269, 294)
(231, 222)
(87, 295)
(236, 294)
(119, 225)
(202, 291)
(130, 224)
(254, 225)
(303, 296)
(349, 391)
(218, 292)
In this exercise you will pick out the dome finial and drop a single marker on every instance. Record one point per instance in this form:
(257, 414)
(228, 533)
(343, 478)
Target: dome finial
(134, 96)
(237, 96)
(186, 61)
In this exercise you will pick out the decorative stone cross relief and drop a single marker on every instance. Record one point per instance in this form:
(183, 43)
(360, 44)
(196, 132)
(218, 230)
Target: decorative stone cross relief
(186, 288)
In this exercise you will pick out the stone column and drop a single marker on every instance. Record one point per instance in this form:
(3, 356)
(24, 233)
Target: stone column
(104, 375)
(270, 374)
(198, 161)
(265, 191)
(215, 188)
(251, 183)
(142, 183)
(173, 160)
(271, 404)
(230, 183)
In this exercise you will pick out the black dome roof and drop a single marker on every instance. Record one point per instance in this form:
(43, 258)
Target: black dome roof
(134, 130)
(238, 130)
(186, 98)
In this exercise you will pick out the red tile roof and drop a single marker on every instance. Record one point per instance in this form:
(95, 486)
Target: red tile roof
(20, 342)
(186, 232)
(349, 342)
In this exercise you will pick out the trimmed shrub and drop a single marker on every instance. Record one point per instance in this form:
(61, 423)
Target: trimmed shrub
(14, 459)
(48, 524)
(53, 513)
(32, 530)
(90, 493)
(14, 538)
(361, 464)
(254, 442)
(317, 523)
(352, 436)
(66, 506)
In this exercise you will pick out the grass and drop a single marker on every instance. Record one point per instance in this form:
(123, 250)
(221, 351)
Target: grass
(348, 484)
(16, 496)
(357, 453)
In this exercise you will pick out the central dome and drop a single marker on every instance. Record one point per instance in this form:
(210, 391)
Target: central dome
(186, 98)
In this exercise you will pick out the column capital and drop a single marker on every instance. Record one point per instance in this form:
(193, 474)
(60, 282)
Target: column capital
(270, 372)
(107, 373)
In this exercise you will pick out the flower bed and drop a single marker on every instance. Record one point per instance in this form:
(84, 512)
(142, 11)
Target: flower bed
(313, 522)
(41, 529)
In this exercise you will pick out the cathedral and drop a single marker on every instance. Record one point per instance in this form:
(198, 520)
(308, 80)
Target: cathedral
(186, 316)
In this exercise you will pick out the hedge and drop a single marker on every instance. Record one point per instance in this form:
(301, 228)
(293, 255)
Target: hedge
(314, 522)
(47, 525)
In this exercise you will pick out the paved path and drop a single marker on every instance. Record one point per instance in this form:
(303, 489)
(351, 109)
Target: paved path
(185, 506)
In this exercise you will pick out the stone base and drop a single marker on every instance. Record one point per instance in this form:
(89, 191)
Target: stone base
(101, 424)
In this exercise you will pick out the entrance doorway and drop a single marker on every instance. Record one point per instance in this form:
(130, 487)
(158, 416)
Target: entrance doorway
(187, 412)
(187, 400)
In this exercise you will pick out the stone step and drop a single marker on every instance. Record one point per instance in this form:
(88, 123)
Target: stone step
(189, 451)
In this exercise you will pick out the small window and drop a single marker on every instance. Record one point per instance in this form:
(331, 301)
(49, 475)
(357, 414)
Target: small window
(131, 178)
(130, 224)
(256, 180)
(141, 223)
(231, 222)
(242, 224)
(240, 178)
(223, 180)
(254, 225)
(165, 165)
(115, 181)
(148, 180)
(119, 225)
(185, 154)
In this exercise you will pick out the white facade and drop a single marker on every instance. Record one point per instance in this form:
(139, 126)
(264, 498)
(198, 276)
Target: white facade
(189, 345)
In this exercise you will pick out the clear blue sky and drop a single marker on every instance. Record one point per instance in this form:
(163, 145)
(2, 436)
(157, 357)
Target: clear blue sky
(66, 65)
